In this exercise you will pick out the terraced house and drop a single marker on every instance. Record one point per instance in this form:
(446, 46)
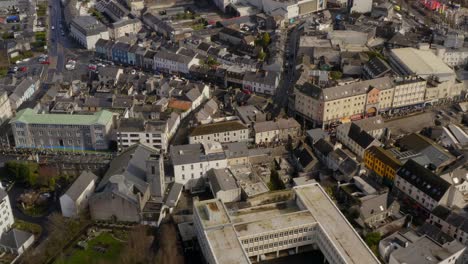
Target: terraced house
(382, 162)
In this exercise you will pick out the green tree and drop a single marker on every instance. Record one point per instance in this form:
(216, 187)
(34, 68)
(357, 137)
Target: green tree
(336, 75)
(275, 181)
(266, 39)
(261, 55)
(372, 240)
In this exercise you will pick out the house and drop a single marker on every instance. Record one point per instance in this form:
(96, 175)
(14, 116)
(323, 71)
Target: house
(304, 158)
(110, 74)
(376, 208)
(87, 30)
(355, 138)
(156, 24)
(237, 153)
(407, 246)
(120, 53)
(12, 240)
(208, 111)
(264, 82)
(173, 63)
(124, 27)
(276, 131)
(426, 189)
(376, 68)
(382, 162)
(132, 189)
(104, 49)
(232, 36)
(21, 92)
(192, 162)
(222, 132)
(75, 199)
(223, 185)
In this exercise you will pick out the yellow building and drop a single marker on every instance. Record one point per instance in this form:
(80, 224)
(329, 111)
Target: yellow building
(382, 162)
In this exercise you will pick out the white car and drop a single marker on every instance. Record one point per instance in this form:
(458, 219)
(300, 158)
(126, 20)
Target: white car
(52, 27)
(133, 72)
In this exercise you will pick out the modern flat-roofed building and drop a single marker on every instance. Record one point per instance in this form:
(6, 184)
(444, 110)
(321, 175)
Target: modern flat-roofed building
(424, 63)
(230, 235)
(87, 30)
(61, 131)
(152, 133)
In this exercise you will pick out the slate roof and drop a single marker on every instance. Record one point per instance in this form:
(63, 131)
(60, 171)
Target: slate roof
(88, 25)
(378, 67)
(434, 152)
(423, 179)
(29, 116)
(80, 184)
(373, 204)
(323, 146)
(14, 238)
(221, 180)
(361, 137)
(218, 128)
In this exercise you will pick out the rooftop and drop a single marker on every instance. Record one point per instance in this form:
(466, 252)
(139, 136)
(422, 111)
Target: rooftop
(219, 127)
(422, 62)
(30, 116)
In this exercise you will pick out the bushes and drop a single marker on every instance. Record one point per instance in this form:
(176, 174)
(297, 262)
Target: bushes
(275, 181)
(25, 172)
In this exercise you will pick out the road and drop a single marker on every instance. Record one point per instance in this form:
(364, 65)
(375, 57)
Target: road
(280, 99)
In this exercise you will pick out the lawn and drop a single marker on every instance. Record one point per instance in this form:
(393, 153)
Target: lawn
(91, 255)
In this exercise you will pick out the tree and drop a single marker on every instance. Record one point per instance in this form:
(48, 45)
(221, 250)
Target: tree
(261, 55)
(25, 172)
(275, 181)
(138, 247)
(266, 39)
(336, 75)
(372, 240)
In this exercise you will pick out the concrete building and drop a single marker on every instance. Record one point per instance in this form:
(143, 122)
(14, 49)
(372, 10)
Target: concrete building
(276, 131)
(192, 162)
(222, 132)
(453, 57)
(421, 62)
(223, 185)
(75, 199)
(381, 162)
(87, 30)
(5, 107)
(153, 133)
(62, 131)
(6, 212)
(408, 91)
(410, 247)
(231, 235)
(425, 188)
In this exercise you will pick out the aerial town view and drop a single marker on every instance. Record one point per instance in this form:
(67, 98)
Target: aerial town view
(234, 131)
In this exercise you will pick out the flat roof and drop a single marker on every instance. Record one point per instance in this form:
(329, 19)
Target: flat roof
(225, 246)
(350, 245)
(423, 62)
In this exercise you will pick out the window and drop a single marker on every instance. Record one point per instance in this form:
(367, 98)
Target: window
(183, 176)
(183, 167)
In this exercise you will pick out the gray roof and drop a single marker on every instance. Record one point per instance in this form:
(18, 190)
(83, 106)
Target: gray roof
(80, 184)
(3, 194)
(236, 149)
(373, 204)
(221, 180)
(88, 25)
(192, 153)
(131, 125)
(14, 238)
(132, 165)
(172, 57)
(267, 78)
(172, 197)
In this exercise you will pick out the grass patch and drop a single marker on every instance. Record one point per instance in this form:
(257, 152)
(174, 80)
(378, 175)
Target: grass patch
(91, 255)
(3, 71)
(41, 9)
(35, 211)
(28, 227)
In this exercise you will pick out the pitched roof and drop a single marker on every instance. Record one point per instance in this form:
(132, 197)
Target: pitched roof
(361, 137)
(323, 146)
(80, 184)
(423, 179)
(217, 128)
(30, 116)
(385, 156)
(221, 180)
(14, 238)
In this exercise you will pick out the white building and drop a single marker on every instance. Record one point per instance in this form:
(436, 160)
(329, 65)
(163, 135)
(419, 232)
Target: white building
(261, 82)
(409, 247)
(22, 92)
(153, 134)
(355, 138)
(276, 131)
(192, 162)
(173, 62)
(453, 57)
(75, 199)
(87, 30)
(246, 235)
(222, 132)
(360, 6)
(224, 186)
(426, 188)
(11, 240)
(409, 90)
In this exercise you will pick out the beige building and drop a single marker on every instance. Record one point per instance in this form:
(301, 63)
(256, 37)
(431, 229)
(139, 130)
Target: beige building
(408, 91)
(124, 27)
(343, 103)
(276, 131)
(5, 107)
